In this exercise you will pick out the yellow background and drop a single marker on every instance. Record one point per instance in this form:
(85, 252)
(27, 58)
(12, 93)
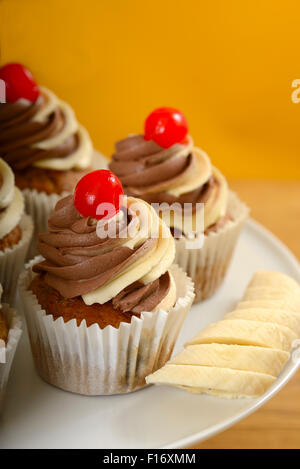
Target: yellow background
(228, 65)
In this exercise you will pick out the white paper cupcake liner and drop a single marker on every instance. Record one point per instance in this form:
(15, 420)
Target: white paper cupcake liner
(12, 260)
(40, 205)
(94, 361)
(7, 351)
(208, 264)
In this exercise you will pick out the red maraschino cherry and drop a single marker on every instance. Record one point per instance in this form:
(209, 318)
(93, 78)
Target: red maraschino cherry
(19, 83)
(95, 188)
(166, 126)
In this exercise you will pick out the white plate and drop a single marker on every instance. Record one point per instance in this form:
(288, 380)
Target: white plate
(37, 415)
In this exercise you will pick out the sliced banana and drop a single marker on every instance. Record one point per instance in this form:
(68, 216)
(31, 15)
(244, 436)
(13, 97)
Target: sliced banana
(275, 316)
(290, 298)
(268, 304)
(241, 355)
(223, 382)
(243, 332)
(247, 357)
(268, 278)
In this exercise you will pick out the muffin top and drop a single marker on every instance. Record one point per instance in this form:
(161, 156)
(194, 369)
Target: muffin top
(179, 174)
(41, 131)
(11, 201)
(3, 324)
(123, 259)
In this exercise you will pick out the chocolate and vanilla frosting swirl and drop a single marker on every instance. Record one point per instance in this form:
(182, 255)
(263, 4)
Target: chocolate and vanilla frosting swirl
(11, 201)
(181, 174)
(129, 268)
(44, 133)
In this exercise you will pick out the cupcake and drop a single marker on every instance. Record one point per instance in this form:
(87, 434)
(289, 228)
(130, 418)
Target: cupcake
(42, 141)
(104, 305)
(15, 232)
(164, 168)
(10, 333)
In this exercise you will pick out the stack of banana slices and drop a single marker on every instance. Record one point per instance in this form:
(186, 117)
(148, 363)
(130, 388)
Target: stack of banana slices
(242, 355)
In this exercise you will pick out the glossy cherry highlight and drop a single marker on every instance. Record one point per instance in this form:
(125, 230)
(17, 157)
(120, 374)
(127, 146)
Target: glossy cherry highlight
(166, 126)
(19, 83)
(98, 194)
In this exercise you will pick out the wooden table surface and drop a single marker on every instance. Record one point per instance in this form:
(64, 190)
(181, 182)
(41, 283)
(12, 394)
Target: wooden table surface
(275, 204)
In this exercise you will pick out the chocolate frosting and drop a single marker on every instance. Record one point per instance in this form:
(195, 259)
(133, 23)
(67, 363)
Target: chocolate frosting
(77, 261)
(153, 164)
(138, 297)
(146, 170)
(18, 132)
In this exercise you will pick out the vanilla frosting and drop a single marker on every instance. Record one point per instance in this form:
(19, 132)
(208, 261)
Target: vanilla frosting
(11, 201)
(44, 134)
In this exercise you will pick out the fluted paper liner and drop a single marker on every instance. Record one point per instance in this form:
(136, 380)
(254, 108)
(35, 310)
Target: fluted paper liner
(41, 205)
(208, 265)
(12, 260)
(94, 361)
(7, 351)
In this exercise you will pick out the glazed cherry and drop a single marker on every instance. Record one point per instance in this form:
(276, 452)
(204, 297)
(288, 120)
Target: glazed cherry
(19, 83)
(96, 188)
(166, 126)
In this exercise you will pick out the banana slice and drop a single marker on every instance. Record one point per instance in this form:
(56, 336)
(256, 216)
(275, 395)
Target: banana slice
(222, 382)
(244, 332)
(241, 355)
(269, 292)
(275, 316)
(237, 357)
(267, 278)
(267, 304)
(291, 298)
